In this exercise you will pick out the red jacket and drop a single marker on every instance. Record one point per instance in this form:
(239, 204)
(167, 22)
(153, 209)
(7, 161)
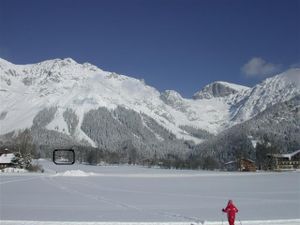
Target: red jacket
(230, 209)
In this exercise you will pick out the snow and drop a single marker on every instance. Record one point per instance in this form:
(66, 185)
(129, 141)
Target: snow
(254, 143)
(74, 173)
(121, 195)
(220, 89)
(6, 158)
(279, 88)
(236, 87)
(58, 119)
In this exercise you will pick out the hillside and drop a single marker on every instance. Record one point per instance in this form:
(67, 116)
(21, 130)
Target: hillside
(279, 125)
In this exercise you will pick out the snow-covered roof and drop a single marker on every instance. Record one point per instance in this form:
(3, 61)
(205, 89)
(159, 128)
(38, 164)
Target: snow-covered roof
(286, 155)
(6, 158)
(290, 155)
(230, 162)
(235, 161)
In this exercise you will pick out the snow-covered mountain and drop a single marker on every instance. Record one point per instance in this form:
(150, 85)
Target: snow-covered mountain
(219, 89)
(271, 91)
(60, 95)
(279, 125)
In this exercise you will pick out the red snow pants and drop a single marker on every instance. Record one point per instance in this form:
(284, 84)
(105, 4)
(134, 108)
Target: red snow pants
(231, 220)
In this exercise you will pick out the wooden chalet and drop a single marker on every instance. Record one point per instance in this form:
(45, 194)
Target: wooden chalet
(246, 165)
(6, 160)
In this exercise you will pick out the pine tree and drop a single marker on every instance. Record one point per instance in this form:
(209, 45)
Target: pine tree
(27, 159)
(18, 161)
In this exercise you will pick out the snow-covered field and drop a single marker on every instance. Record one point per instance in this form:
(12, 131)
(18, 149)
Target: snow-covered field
(123, 195)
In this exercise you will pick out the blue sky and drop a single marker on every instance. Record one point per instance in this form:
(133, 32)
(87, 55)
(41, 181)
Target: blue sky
(171, 44)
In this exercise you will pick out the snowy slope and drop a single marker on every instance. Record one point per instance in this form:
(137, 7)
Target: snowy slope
(26, 90)
(138, 194)
(63, 84)
(273, 90)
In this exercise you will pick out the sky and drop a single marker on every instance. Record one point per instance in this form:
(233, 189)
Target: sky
(181, 45)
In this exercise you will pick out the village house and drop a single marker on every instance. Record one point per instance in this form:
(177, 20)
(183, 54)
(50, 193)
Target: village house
(246, 165)
(6, 159)
(4, 151)
(288, 161)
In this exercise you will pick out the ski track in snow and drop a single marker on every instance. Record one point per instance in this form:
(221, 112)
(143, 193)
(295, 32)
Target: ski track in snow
(97, 197)
(17, 180)
(115, 203)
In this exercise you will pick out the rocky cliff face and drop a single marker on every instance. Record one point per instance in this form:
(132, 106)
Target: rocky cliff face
(219, 89)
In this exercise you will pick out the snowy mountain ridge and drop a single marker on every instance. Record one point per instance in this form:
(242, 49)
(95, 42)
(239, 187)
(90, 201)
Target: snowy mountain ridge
(219, 89)
(65, 85)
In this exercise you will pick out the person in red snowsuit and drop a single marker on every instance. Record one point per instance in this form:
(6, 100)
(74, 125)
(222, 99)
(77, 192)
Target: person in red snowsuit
(231, 210)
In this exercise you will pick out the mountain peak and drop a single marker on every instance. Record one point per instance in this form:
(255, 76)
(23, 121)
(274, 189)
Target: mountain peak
(291, 76)
(59, 62)
(4, 63)
(219, 89)
(171, 94)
